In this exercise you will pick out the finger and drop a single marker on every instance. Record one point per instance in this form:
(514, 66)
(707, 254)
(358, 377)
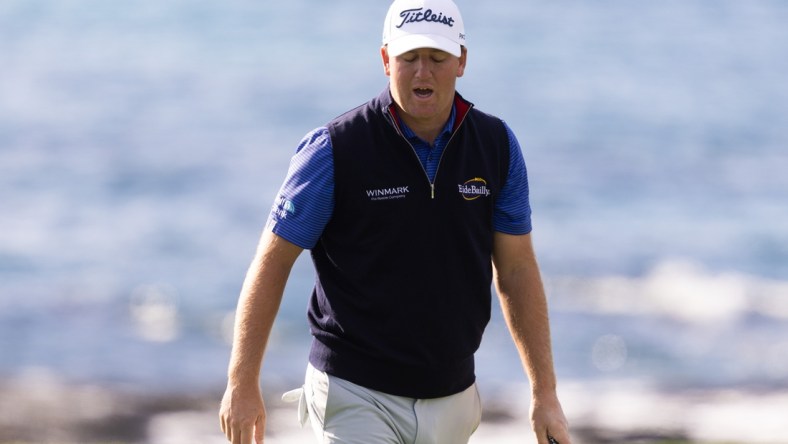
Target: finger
(246, 435)
(259, 430)
(558, 436)
(236, 434)
(223, 423)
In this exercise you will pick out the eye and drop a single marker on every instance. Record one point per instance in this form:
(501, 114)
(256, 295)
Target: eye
(409, 57)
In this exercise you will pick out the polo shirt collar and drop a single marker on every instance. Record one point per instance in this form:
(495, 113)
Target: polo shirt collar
(446, 132)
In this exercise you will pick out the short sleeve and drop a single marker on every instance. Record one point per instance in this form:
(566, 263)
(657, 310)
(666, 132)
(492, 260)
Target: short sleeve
(513, 209)
(305, 202)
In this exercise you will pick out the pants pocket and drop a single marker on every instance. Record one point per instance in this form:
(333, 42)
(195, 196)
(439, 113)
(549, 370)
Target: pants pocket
(316, 397)
(298, 395)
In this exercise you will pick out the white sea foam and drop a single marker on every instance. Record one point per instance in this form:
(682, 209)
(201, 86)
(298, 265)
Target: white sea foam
(677, 289)
(704, 416)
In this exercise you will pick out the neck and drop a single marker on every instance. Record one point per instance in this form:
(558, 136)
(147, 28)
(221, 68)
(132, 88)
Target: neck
(426, 129)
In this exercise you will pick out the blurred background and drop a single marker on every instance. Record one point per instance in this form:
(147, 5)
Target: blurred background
(142, 143)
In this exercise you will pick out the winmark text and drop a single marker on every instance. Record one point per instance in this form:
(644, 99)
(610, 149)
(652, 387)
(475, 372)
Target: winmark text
(388, 193)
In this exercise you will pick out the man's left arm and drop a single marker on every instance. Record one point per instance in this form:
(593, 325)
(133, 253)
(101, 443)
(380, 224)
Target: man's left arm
(520, 290)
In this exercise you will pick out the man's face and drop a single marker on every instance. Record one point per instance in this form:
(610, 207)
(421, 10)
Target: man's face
(423, 82)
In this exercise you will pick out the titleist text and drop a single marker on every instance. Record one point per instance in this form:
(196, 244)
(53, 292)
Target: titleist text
(418, 15)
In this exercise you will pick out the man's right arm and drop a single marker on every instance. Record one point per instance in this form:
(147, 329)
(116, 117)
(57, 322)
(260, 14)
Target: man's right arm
(242, 410)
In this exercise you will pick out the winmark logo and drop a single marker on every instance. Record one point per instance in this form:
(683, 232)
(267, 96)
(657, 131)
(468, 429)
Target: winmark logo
(388, 193)
(474, 188)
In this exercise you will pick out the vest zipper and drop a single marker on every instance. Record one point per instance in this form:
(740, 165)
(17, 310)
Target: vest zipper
(413, 150)
(445, 148)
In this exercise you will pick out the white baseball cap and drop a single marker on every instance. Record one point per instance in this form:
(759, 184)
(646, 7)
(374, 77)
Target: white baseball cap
(412, 24)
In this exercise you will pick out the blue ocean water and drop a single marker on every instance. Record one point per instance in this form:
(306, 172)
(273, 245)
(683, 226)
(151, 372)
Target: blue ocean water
(141, 145)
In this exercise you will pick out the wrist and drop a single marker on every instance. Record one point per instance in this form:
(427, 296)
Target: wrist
(243, 380)
(544, 392)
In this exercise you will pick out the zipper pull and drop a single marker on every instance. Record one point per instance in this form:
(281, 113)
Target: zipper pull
(432, 191)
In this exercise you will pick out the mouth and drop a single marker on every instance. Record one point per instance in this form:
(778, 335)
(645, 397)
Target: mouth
(422, 93)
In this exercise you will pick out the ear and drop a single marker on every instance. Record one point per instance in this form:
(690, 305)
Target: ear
(463, 61)
(384, 55)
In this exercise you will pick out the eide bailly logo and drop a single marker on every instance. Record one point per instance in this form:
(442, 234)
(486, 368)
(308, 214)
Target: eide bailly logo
(474, 188)
(419, 15)
(388, 193)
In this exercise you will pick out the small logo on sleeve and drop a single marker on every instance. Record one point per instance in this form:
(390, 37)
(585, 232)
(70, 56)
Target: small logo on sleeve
(284, 207)
(474, 188)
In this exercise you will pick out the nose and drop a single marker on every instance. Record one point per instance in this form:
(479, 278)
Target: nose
(423, 67)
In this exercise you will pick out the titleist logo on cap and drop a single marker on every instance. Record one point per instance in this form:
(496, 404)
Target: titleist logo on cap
(418, 15)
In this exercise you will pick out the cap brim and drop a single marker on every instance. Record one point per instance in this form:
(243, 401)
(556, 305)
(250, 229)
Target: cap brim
(415, 41)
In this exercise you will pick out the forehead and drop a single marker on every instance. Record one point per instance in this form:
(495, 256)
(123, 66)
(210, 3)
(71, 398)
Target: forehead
(426, 52)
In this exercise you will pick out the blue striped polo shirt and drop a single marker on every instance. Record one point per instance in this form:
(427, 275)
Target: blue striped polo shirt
(305, 202)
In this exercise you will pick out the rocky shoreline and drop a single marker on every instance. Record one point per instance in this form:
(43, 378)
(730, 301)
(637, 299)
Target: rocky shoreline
(45, 410)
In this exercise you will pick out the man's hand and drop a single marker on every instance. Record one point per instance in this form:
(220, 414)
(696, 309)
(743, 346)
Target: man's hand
(242, 415)
(548, 420)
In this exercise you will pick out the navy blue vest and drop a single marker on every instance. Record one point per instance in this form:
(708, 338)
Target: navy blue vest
(404, 266)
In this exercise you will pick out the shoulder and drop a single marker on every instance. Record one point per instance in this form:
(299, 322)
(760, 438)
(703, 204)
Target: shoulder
(318, 136)
(315, 143)
(360, 115)
(485, 116)
(313, 156)
(496, 124)
(488, 122)
(347, 118)
(364, 126)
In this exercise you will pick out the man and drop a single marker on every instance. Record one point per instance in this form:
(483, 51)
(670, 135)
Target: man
(411, 205)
